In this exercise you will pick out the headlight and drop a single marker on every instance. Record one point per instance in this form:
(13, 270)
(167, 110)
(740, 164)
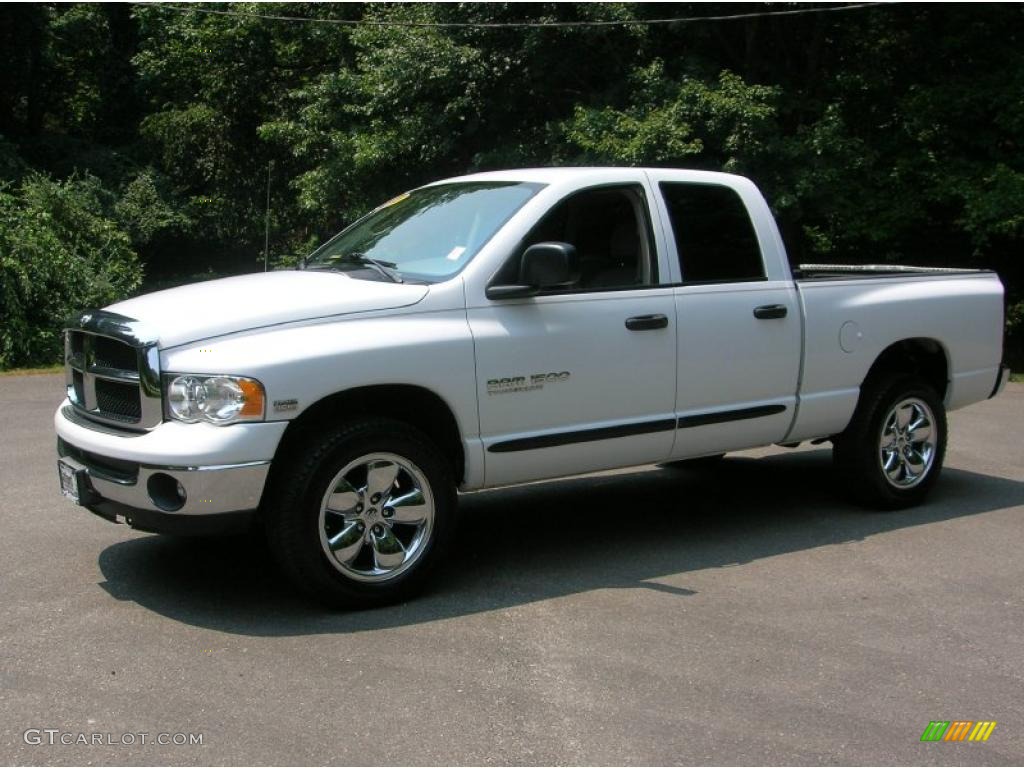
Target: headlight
(214, 399)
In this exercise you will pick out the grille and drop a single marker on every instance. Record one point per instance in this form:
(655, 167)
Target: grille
(78, 386)
(119, 401)
(103, 373)
(114, 354)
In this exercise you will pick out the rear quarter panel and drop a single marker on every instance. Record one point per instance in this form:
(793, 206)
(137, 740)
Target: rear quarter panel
(962, 312)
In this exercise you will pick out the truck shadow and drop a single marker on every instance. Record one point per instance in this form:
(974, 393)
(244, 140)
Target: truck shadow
(549, 540)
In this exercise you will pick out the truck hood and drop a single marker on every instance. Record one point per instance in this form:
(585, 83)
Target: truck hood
(217, 307)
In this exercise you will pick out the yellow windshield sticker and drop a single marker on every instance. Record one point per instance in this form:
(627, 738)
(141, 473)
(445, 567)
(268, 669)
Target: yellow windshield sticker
(394, 200)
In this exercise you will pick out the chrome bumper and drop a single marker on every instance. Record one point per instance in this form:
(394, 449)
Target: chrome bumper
(207, 490)
(178, 471)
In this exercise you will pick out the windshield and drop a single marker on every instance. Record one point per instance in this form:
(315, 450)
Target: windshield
(427, 234)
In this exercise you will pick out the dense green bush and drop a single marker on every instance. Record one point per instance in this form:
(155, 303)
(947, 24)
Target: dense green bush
(60, 251)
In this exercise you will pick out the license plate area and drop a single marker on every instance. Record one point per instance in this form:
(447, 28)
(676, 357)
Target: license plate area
(74, 481)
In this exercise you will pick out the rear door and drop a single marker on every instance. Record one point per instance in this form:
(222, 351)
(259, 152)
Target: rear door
(738, 325)
(582, 378)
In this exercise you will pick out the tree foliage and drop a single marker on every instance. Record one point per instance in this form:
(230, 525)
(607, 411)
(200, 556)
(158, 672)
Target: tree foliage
(721, 124)
(884, 133)
(60, 250)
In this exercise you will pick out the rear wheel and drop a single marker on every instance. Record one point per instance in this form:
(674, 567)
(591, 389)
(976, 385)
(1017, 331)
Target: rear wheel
(891, 454)
(363, 515)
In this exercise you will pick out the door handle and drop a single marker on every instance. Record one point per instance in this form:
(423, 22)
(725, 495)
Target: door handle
(770, 311)
(646, 322)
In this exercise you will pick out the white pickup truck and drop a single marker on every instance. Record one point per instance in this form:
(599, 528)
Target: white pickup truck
(501, 328)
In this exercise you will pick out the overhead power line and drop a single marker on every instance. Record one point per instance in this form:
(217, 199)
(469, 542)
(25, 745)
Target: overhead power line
(519, 24)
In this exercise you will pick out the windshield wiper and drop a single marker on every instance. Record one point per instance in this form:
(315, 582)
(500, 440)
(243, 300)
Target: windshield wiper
(386, 268)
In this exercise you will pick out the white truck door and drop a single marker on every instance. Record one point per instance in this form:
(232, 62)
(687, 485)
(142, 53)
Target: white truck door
(738, 322)
(583, 378)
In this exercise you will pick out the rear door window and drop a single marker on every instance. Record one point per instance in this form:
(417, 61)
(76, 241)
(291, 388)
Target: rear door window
(714, 236)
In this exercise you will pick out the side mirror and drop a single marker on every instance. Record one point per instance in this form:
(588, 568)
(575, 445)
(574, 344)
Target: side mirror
(544, 265)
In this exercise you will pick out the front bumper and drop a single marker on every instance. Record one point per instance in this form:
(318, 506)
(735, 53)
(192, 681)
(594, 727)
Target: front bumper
(190, 490)
(177, 477)
(166, 522)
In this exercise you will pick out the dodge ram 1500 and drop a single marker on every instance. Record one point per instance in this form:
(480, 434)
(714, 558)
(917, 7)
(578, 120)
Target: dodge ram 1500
(501, 328)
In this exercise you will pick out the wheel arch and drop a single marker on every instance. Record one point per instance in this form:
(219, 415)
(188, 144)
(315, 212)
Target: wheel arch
(857, 451)
(919, 356)
(417, 406)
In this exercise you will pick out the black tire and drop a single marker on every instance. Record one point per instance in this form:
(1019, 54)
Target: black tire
(698, 464)
(292, 512)
(858, 455)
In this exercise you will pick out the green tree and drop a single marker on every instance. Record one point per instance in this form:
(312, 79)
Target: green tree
(60, 251)
(882, 133)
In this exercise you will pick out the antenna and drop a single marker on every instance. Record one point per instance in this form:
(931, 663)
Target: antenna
(266, 224)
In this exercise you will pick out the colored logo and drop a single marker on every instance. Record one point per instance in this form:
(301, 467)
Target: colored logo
(958, 730)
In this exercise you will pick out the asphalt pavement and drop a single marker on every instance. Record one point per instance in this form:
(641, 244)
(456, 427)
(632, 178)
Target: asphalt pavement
(746, 615)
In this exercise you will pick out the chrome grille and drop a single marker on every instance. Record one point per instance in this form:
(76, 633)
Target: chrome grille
(77, 393)
(119, 400)
(114, 354)
(112, 371)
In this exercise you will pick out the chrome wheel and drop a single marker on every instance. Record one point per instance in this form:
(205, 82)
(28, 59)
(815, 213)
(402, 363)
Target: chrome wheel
(906, 449)
(376, 517)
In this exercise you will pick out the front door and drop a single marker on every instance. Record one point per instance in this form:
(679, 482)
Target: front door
(581, 379)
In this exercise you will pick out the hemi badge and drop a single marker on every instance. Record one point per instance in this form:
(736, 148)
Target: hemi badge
(286, 405)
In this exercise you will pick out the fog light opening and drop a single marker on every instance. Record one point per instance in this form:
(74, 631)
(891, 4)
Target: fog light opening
(167, 493)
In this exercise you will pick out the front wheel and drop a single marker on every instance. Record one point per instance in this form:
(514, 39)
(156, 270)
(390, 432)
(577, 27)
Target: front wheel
(891, 454)
(362, 516)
